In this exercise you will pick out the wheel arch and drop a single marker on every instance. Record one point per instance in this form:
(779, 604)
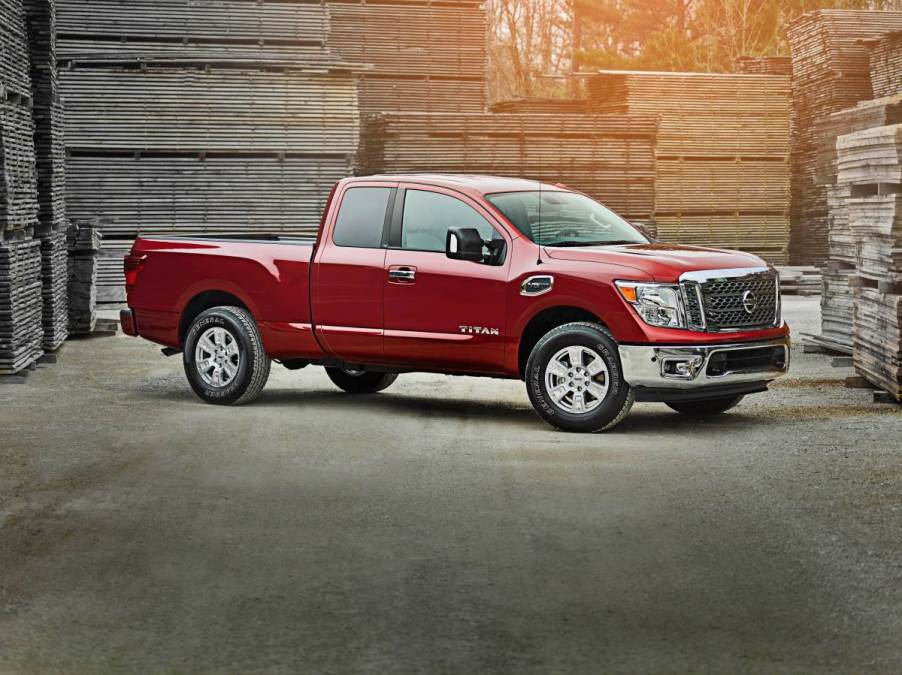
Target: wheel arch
(203, 301)
(545, 321)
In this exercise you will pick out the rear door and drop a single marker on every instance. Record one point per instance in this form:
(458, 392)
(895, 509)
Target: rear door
(348, 289)
(442, 313)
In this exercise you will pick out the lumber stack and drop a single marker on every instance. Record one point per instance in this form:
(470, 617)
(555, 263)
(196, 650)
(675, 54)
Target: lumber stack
(195, 29)
(722, 154)
(426, 55)
(870, 164)
(764, 65)
(54, 290)
(546, 106)
(201, 116)
(800, 280)
(830, 73)
(50, 157)
(21, 332)
(843, 248)
(84, 243)
(610, 157)
(886, 65)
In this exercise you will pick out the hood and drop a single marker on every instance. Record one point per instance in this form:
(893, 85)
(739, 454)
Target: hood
(664, 262)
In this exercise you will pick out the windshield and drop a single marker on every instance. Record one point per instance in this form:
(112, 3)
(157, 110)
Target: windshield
(565, 219)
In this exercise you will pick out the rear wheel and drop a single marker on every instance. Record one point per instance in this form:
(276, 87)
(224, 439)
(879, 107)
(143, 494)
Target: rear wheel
(575, 381)
(360, 381)
(712, 406)
(224, 358)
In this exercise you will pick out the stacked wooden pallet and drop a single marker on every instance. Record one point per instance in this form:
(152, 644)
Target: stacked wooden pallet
(427, 55)
(886, 65)
(84, 244)
(764, 65)
(837, 303)
(722, 154)
(21, 331)
(610, 157)
(870, 163)
(830, 73)
(50, 163)
(188, 116)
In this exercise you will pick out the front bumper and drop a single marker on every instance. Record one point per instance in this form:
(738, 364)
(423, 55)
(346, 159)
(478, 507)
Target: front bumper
(665, 372)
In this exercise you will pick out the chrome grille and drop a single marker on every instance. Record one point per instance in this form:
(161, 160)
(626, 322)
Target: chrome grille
(733, 303)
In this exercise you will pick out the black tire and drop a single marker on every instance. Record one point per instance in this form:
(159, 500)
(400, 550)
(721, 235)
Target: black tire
(709, 407)
(253, 363)
(362, 382)
(613, 406)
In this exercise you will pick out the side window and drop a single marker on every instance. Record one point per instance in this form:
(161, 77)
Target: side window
(361, 217)
(429, 215)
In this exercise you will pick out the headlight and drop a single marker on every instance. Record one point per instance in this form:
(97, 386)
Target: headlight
(657, 304)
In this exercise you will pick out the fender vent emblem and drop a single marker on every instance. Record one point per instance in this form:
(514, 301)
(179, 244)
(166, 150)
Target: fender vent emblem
(538, 285)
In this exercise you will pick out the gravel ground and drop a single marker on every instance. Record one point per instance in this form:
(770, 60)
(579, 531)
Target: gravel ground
(440, 527)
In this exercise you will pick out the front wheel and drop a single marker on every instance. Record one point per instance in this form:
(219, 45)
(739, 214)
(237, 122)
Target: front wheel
(709, 407)
(575, 381)
(224, 358)
(360, 381)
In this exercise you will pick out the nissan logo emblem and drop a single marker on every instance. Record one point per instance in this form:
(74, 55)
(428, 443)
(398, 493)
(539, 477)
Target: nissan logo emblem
(749, 302)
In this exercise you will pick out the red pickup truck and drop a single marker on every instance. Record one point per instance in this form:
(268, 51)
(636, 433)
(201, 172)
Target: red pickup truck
(467, 275)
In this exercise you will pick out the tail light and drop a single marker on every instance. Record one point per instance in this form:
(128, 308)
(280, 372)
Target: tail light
(133, 266)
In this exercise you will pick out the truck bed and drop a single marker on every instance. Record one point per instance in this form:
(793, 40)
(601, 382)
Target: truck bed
(269, 274)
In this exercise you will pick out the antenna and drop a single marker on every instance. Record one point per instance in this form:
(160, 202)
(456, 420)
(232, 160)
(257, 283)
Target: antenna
(539, 223)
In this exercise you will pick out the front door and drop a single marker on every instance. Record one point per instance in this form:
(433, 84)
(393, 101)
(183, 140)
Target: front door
(349, 290)
(442, 313)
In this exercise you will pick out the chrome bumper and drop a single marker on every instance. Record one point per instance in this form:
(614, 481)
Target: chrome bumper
(690, 367)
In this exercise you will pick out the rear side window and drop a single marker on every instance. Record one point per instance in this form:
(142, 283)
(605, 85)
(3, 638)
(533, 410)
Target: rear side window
(361, 217)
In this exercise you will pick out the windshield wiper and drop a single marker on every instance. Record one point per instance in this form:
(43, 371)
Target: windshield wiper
(574, 243)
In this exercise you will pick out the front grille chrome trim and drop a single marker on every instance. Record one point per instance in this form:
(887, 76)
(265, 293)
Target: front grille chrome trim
(704, 309)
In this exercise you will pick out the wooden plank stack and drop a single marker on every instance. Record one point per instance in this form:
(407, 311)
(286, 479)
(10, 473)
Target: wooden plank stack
(195, 29)
(764, 65)
(546, 106)
(837, 302)
(800, 280)
(21, 331)
(201, 116)
(886, 64)
(870, 164)
(427, 55)
(84, 243)
(610, 157)
(50, 156)
(722, 154)
(830, 73)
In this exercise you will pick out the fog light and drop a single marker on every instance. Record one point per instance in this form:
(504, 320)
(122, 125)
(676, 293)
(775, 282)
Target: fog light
(683, 368)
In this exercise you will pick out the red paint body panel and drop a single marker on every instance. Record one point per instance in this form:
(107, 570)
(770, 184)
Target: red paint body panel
(324, 301)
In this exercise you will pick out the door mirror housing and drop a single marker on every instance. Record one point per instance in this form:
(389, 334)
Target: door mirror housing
(464, 243)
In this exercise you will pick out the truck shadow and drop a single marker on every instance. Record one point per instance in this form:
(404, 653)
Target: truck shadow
(643, 418)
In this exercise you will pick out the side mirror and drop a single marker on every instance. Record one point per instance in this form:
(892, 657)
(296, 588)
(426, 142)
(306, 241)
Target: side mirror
(464, 243)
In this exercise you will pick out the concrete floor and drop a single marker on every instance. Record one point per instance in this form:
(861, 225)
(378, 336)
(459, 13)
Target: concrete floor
(440, 527)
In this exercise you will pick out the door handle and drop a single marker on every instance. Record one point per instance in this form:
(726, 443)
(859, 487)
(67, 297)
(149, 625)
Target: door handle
(402, 275)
